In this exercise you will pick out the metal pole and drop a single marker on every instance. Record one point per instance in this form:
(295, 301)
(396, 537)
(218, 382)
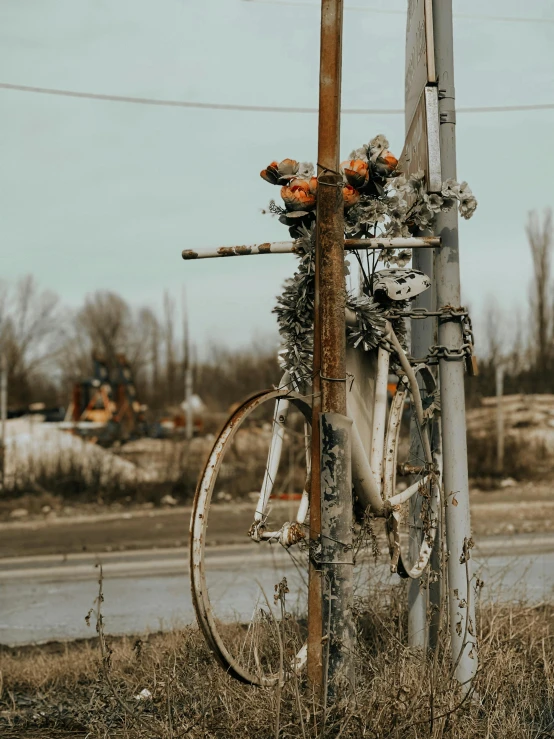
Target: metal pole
(330, 586)
(447, 265)
(499, 418)
(422, 333)
(3, 416)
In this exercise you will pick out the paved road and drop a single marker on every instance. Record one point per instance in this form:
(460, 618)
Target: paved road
(47, 597)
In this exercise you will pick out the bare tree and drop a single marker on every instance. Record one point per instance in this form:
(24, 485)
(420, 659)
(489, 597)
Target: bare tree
(106, 321)
(29, 335)
(539, 235)
(108, 325)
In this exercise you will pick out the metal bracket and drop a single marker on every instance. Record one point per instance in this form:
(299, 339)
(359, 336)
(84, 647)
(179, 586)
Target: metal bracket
(447, 106)
(448, 116)
(446, 91)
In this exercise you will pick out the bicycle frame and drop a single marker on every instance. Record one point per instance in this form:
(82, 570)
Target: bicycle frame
(369, 456)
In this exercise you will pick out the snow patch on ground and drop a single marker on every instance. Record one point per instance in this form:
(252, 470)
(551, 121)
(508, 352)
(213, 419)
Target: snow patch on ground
(34, 448)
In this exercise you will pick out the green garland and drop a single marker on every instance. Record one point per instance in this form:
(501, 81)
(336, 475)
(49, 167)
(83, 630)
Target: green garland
(295, 310)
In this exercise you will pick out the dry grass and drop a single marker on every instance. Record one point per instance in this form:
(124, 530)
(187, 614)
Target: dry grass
(70, 690)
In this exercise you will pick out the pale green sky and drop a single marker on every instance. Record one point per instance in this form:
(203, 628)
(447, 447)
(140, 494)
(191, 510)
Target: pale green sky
(106, 195)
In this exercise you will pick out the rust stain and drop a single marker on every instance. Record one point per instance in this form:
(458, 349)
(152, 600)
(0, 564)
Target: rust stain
(243, 250)
(189, 254)
(226, 251)
(264, 248)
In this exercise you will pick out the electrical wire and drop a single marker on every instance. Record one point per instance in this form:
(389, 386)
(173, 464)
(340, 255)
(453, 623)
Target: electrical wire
(362, 9)
(252, 108)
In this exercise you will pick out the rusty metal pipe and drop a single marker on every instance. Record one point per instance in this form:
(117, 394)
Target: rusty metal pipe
(289, 247)
(331, 494)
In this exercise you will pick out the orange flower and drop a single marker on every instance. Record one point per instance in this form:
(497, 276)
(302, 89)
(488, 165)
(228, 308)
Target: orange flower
(302, 184)
(288, 167)
(356, 172)
(313, 185)
(389, 160)
(350, 196)
(271, 174)
(297, 196)
(278, 172)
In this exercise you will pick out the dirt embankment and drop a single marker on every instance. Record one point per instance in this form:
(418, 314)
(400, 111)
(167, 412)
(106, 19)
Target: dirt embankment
(511, 510)
(528, 422)
(154, 512)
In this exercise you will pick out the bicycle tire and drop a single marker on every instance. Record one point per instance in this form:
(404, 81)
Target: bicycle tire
(198, 527)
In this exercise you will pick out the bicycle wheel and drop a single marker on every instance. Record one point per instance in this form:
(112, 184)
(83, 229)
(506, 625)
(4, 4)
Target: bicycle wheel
(249, 585)
(412, 473)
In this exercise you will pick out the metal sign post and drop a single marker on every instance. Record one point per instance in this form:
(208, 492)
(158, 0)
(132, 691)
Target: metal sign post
(421, 153)
(330, 625)
(420, 57)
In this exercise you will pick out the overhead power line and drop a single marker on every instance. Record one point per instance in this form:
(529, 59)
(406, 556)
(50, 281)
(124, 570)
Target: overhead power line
(251, 108)
(363, 9)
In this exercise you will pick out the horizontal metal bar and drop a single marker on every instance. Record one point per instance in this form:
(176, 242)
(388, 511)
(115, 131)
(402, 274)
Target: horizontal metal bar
(289, 247)
(419, 242)
(277, 247)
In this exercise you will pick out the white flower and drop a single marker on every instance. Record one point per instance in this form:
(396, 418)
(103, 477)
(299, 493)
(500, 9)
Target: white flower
(398, 207)
(422, 215)
(453, 191)
(305, 170)
(450, 189)
(376, 146)
(361, 153)
(402, 258)
(398, 183)
(416, 181)
(373, 211)
(468, 206)
(434, 201)
(386, 256)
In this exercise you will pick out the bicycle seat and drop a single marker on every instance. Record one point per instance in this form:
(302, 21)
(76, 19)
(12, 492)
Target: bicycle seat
(399, 284)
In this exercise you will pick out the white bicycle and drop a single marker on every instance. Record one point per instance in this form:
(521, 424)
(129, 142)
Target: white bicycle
(251, 598)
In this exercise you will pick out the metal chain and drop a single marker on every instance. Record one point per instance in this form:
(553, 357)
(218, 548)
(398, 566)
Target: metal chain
(438, 352)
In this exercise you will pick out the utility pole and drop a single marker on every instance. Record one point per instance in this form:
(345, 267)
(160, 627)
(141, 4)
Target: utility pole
(3, 417)
(330, 624)
(499, 418)
(447, 279)
(189, 429)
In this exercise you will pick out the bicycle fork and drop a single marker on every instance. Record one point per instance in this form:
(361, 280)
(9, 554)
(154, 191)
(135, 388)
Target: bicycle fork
(291, 532)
